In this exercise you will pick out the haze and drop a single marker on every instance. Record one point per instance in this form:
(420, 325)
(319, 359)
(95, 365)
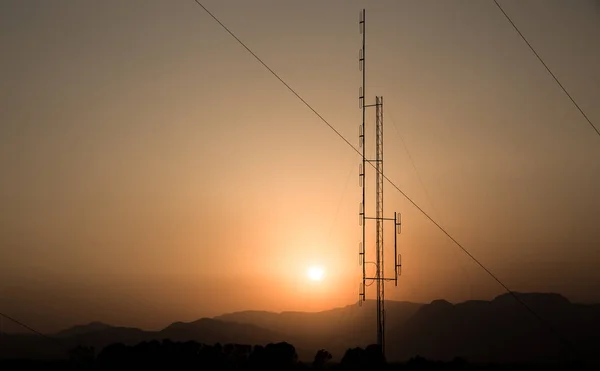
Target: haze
(153, 171)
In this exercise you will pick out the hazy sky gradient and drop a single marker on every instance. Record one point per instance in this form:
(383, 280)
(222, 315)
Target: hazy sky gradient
(153, 171)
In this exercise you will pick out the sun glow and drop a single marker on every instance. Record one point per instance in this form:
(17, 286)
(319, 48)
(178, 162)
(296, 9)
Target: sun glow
(315, 273)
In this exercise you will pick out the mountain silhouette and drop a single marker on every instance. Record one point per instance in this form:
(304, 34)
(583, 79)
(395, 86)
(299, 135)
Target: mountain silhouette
(83, 329)
(98, 336)
(335, 330)
(500, 330)
(211, 331)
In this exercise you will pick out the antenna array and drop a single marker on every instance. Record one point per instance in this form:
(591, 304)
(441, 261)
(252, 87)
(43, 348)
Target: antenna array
(379, 278)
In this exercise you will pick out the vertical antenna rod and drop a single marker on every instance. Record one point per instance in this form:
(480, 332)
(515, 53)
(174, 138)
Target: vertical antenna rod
(379, 277)
(362, 144)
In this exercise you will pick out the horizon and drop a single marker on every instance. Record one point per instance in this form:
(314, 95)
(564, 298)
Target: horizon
(21, 330)
(152, 170)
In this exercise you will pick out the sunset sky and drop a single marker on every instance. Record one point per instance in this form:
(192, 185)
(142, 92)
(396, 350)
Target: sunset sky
(153, 171)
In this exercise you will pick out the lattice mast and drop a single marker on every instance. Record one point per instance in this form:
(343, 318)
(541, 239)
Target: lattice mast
(379, 220)
(379, 278)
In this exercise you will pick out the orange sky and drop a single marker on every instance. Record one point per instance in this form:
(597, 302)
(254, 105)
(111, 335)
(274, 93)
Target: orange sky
(153, 171)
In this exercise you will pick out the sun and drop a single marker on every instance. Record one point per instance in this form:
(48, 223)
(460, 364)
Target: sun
(315, 273)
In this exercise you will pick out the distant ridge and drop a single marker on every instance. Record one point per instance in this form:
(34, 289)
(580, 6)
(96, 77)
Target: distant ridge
(83, 329)
(498, 330)
(210, 331)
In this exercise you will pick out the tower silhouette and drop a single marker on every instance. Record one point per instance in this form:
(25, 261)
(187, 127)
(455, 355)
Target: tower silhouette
(377, 163)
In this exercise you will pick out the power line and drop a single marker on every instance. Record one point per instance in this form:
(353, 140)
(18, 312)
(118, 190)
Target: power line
(413, 165)
(509, 291)
(32, 329)
(434, 209)
(547, 68)
(276, 75)
(354, 148)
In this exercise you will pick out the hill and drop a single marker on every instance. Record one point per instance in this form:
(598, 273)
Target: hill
(500, 330)
(335, 330)
(205, 330)
(211, 331)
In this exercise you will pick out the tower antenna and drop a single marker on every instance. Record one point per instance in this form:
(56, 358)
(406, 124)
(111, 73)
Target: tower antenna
(379, 278)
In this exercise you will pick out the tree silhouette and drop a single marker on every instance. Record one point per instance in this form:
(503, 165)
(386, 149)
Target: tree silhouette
(321, 358)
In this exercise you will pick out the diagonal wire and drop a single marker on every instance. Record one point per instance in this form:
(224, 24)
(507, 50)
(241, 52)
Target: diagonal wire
(32, 330)
(434, 209)
(354, 148)
(492, 275)
(413, 165)
(548, 69)
(276, 75)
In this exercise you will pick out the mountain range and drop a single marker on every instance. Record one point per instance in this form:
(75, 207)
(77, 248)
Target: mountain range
(547, 328)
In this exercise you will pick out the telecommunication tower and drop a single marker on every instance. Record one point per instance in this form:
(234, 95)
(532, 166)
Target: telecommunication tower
(379, 278)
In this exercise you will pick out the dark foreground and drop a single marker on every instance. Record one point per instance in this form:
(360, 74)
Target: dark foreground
(168, 355)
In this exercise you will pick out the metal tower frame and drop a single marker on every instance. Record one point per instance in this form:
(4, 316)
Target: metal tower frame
(379, 218)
